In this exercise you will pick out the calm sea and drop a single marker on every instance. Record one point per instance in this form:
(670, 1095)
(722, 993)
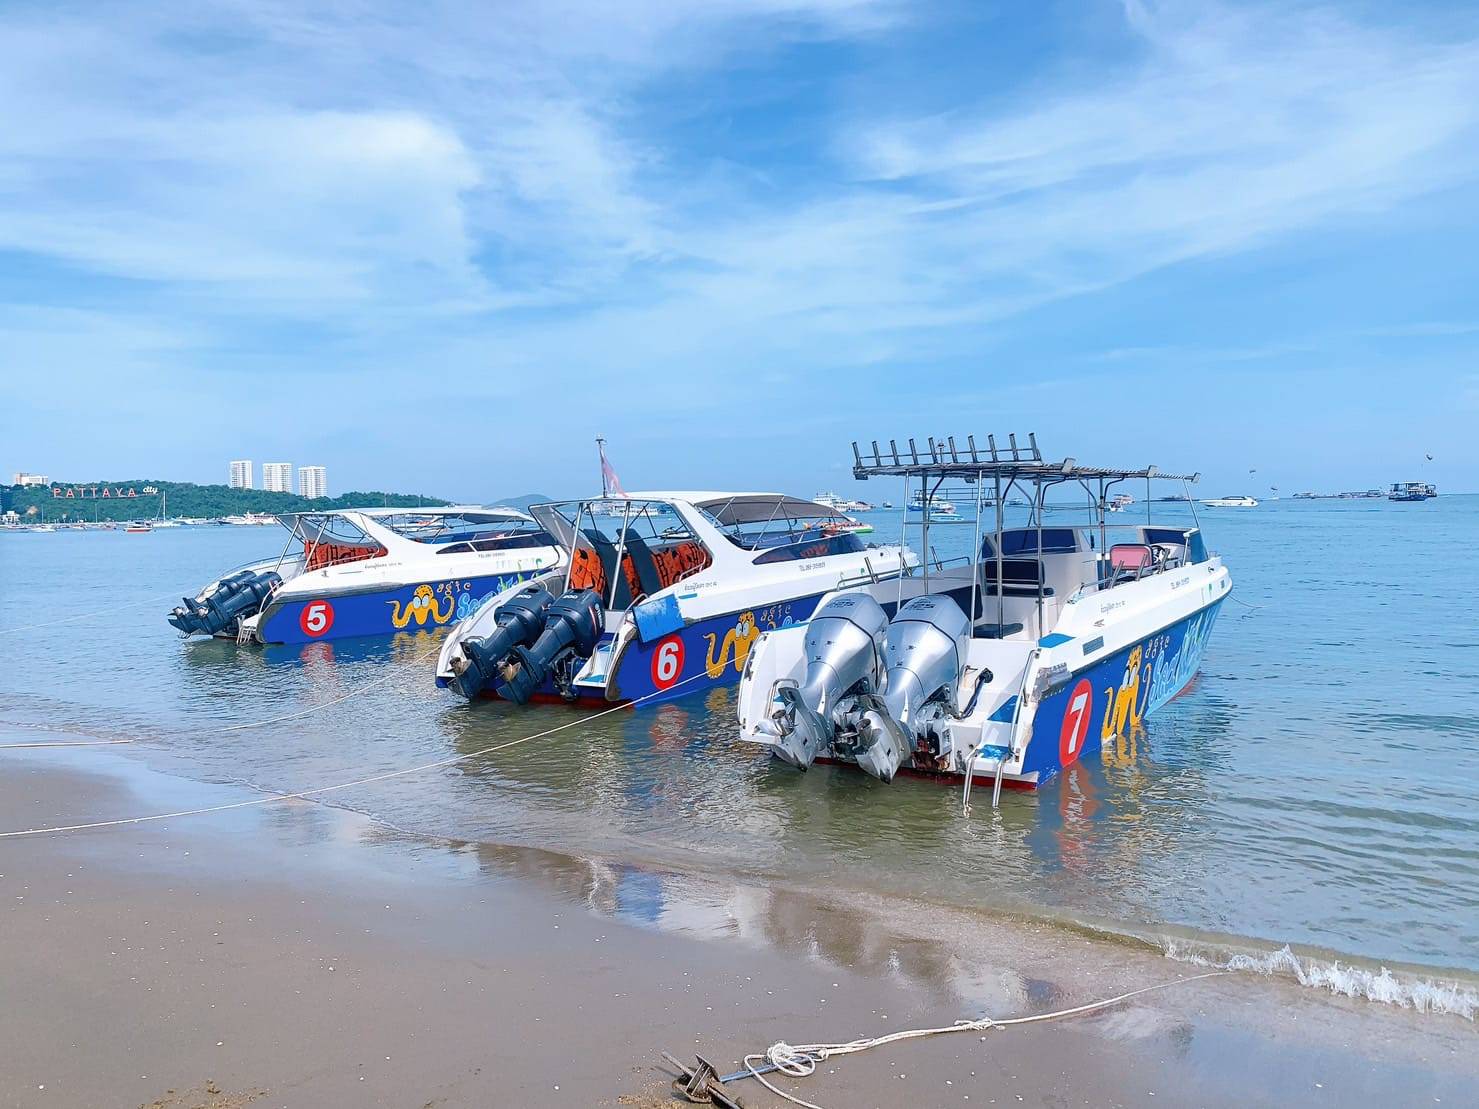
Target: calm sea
(1317, 786)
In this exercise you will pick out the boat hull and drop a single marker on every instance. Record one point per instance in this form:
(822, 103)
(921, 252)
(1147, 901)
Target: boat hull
(1104, 705)
(691, 660)
(380, 611)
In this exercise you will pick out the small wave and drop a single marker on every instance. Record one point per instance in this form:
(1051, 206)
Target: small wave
(1425, 995)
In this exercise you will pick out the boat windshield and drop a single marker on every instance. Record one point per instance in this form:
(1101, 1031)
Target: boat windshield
(625, 549)
(330, 540)
(782, 529)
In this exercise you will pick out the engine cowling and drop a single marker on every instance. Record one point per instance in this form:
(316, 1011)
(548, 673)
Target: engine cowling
(517, 623)
(924, 651)
(842, 654)
(572, 628)
(220, 609)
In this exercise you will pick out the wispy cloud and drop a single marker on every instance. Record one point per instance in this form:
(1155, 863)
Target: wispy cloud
(655, 194)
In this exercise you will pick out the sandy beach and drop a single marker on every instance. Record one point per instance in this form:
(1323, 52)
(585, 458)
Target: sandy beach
(299, 955)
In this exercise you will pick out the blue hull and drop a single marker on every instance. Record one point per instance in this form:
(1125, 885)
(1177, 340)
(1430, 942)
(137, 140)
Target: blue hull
(424, 607)
(692, 660)
(1106, 702)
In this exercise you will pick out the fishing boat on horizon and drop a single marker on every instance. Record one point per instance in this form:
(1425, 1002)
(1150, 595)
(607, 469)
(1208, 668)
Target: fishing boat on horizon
(662, 604)
(1007, 665)
(371, 571)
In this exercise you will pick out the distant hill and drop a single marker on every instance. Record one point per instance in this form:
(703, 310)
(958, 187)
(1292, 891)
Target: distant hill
(524, 501)
(182, 498)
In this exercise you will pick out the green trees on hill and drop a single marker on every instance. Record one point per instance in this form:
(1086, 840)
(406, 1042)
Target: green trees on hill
(180, 499)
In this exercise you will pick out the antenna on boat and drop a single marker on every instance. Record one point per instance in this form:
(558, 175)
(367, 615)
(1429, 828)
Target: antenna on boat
(601, 450)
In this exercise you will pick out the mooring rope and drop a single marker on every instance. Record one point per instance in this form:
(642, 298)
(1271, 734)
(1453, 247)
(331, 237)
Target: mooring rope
(355, 692)
(800, 1060)
(320, 790)
(68, 743)
(87, 615)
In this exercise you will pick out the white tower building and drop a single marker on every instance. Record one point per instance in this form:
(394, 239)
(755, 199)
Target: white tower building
(312, 481)
(277, 477)
(241, 474)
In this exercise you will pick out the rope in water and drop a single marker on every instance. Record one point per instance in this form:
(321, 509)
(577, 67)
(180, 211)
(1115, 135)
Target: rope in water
(355, 692)
(87, 615)
(800, 1060)
(68, 743)
(320, 790)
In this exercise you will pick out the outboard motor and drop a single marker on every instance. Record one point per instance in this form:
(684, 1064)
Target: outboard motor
(517, 623)
(572, 628)
(843, 641)
(924, 651)
(219, 610)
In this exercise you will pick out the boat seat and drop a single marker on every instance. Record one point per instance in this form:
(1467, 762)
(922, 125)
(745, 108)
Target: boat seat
(1129, 562)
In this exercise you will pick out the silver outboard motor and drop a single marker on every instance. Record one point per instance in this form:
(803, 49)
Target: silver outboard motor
(924, 651)
(843, 642)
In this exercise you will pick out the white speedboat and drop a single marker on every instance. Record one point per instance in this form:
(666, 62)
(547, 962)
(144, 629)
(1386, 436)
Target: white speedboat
(1047, 645)
(1241, 501)
(372, 571)
(664, 603)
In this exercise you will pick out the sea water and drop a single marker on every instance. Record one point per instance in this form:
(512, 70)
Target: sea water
(1308, 807)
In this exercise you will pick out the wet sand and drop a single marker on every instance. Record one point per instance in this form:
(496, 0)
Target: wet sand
(300, 955)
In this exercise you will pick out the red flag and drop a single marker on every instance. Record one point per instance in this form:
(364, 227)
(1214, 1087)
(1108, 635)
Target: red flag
(609, 480)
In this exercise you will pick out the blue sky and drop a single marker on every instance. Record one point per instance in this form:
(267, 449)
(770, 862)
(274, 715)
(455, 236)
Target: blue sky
(440, 246)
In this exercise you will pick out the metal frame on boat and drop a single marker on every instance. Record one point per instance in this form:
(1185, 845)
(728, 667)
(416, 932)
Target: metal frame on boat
(1047, 643)
(662, 601)
(372, 571)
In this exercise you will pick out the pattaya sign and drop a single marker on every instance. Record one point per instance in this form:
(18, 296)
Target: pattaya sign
(94, 492)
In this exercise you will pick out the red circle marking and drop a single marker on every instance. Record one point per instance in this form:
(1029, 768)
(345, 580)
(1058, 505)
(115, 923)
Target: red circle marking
(667, 662)
(1075, 723)
(316, 618)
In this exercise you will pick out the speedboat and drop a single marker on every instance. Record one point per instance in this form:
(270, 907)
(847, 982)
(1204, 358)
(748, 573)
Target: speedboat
(372, 571)
(1045, 645)
(139, 527)
(664, 603)
(1240, 501)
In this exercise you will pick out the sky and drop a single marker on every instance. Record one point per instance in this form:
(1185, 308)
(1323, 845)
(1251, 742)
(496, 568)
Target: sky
(439, 247)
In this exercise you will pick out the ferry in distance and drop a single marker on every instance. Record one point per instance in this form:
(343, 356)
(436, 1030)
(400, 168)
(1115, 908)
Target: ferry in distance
(1412, 491)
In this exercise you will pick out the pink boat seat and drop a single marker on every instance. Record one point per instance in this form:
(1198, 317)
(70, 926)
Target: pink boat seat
(1132, 557)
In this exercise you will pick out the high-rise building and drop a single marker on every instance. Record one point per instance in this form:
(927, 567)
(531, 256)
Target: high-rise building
(241, 474)
(277, 477)
(312, 481)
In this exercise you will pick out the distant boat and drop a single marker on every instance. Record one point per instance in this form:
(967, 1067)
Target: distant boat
(139, 527)
(1412, 491)
(1241, 501)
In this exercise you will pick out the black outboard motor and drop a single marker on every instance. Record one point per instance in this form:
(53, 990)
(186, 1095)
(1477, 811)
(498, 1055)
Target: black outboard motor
(519, 620)
(572, 629)
(219, 611)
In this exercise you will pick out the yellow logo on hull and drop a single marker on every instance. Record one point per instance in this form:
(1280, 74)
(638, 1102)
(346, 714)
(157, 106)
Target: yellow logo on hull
(737, 643)
(422, 606)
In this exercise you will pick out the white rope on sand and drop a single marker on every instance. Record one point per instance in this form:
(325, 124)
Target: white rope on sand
(320, 790)
(800, 1060)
